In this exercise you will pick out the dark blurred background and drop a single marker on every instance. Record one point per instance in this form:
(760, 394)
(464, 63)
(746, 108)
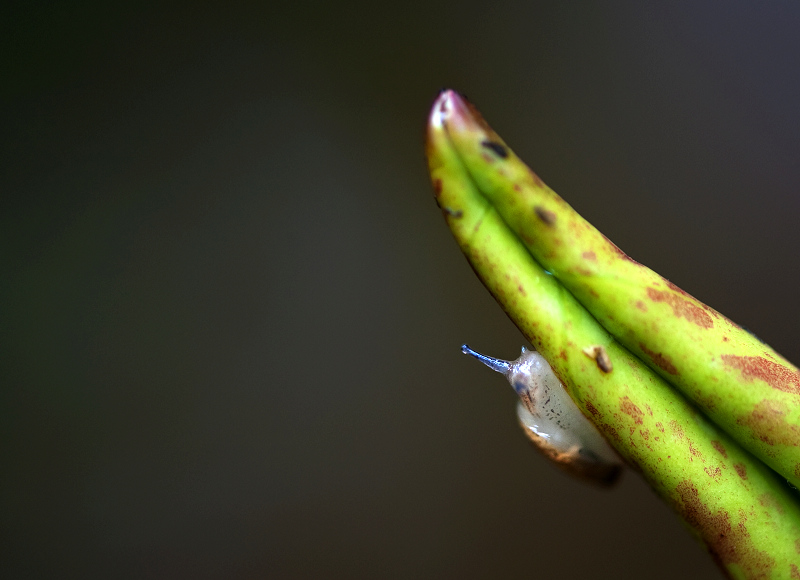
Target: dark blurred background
(231, 310)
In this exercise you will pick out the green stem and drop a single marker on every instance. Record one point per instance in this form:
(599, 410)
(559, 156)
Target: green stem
(748, 520)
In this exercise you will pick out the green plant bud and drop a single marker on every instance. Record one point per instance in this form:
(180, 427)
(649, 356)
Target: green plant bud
(741, 383)
(749, 520)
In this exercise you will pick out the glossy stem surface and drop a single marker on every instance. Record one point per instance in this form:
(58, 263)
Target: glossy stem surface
(748, 519)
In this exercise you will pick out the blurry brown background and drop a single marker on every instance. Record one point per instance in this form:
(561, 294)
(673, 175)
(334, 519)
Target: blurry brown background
(231, 311)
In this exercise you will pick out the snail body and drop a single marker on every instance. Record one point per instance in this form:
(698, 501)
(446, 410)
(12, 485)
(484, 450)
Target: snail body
(552, 421)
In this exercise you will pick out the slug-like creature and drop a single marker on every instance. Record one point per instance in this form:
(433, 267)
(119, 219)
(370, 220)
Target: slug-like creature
(552, 421)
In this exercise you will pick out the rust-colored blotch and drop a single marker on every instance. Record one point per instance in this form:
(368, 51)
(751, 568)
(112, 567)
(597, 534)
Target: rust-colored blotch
(774, 374)
(629, 408)
(728, 544)
(681, 307)
(661, 361)
(767, 422)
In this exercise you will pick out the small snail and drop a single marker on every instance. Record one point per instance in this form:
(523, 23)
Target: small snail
(552, 421)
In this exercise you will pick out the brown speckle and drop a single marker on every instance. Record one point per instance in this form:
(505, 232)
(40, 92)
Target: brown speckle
(797, 545)
(617, 251)
(682, 307)
(714, 474)
(677, 289)
(776, 375)
(592, 409)
(600, 356)
(660, 360)
(713, 312)
(499, 149)
(457, 213)
(611, 431)
(708, 402)
(629, 408)
(437, 187)
(590, 256)
(795, 572)
(741, 469)
(517, 188)
(767, 423)
(769, 501)
(548, 217)
(727, 544)
(641, 306)
(719, 447)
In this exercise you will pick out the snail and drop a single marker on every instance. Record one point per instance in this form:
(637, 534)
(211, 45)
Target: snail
(552, 421)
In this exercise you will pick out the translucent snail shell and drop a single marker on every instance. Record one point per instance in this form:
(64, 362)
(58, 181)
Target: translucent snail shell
(552, 421)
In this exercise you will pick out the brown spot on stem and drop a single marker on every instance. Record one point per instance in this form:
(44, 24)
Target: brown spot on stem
(769, 501)
(660, 360)
(727, 544)
(713, 312)
(767, 423)
(741, 470)
(613, 247)
(720, 449)
(548, 217)
(600, 356)
(610, 431)
(676, 429)
(629, 408)
(682, 307)
(457, 213)
(437, 187)
(498, 148)
(676, 288)
(776, 375)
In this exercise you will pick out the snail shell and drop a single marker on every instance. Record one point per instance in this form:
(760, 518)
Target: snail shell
(552, 421)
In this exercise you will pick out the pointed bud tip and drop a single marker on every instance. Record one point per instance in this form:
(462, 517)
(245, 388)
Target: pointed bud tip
(452, 111)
